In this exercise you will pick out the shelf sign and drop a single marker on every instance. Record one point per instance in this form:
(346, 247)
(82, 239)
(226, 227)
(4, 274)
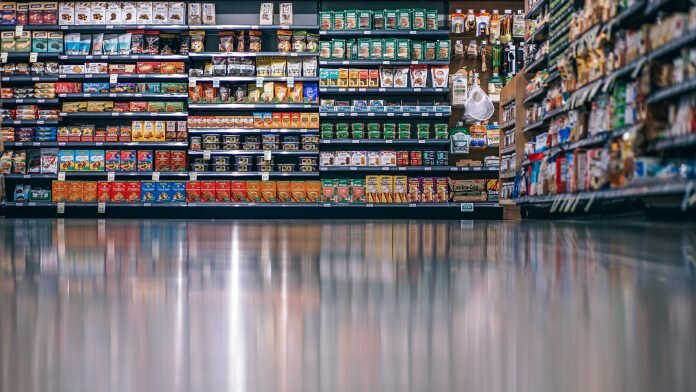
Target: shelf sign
(265, 176)
(193, 176)
(192, 83)
(206, 155)
(61, 176)
(33, 57)
(61, 208)
(216, 82)
(101, 208)
(267, 155)
(110, 176)
(155, 176)
(3, 57)
(113, 78)
(259, 82)
(19, 29)
(466, 207)
(291, 82)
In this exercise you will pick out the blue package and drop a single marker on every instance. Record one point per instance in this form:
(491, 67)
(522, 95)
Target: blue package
(95, 87)
(147, 191)
(178, 191)
(21, 192)
(164, 192)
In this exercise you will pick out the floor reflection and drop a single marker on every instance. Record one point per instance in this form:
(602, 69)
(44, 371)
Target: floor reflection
(353, 306)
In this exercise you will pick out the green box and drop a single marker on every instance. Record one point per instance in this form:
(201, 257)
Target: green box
(389, 135)
(403, 19)
(417, 50)
(338, 21)
(431, 19)
(364, 48)
(404, 134)
(430, 52)
(418, 19)
(443, 49)
(389, 127)
(38, 194)
(389, 49)
(364, 20)
(351, 20)
(338, 49)
(390, 19)
(376, 49)
(378, 20)
(373, 135)
(326, 20)
(326, 135)
(403, 49)
(371, 127)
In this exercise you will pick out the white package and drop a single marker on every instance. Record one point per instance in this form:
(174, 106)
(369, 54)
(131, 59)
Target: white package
(66, 13)
(144, 13)
(113, 13)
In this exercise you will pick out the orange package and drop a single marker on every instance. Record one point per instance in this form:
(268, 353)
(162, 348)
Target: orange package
(133, 191)
(208, 191)
(59, 190)
(103, 191)
(118, 192)
(222, 192)
(253, 191)
(89, 192)
(74, 191)
(298, 191)
(284, 192)
(238, 192)
(269, 192)
(313, 189)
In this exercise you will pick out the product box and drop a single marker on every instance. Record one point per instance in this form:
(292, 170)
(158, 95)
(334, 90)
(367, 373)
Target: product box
(128, 160)
(269, 192)
(39, 194)
(414, 190)
(103, 191)
(82, 160)
(160, 13)
(133, 191)
(74, 191)
(66, 160)
(357, 191)
(208, 14)
(328, 190)
(39, 42)
(178, 161)
(176, 12)
(222, 192)
(283, 191)
(129, 12)
(428, 190)
(145, 161)
(66, 13)
(254, 191)
(441, 190)
(372, 189)
(96, 160)
(55, 42)
(59, 190)
(8, 10)
(194, 13)
(208, 191)
(143, 12)
(148, 192)
(163, 161)
(7, 41)
(163, 191)
(314, 191)
(298, 191)
(342, 195)
(178, 191)
(89, 192)
(400, 189)
(112, 160)
(98, 13)
(113, 13)
(118, 192)
(193, 191)
(386, 189)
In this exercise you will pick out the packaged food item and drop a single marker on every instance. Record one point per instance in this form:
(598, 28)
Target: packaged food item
(128, 160)
(419, 76)
(403, 49)
(339, 18)
(176, 12)
(404, 19)
(431, 19)
(194, 13)
(163, 192)
(401, 77)
(197, 40)
(98, 13)
(443, 49)
(440, 76)
(431, 50)
(223, 192)
(160, 13)
(96, 160)
(113, 13)
(266, 14)
(376, 49)
(299, 41)
(386, 76)
(66, 13)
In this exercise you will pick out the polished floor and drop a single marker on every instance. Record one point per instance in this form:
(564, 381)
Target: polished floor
(346, 306)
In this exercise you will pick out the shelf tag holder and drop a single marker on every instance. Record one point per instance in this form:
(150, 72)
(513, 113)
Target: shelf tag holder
(192, 83)
(19, 29)
(216, 82)
(113, 78)
(33, 57)
(291, 82)
(259, 82)
(101, 208)
(61, 176)
(466, 207)
(193, 176)
(155, 176)
(265, 176)
(110, 176)
(267, 155)
(61, 208)
(206, 155)
(3, 57)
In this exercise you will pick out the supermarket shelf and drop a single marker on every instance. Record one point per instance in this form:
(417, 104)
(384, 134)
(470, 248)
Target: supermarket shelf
(555, 112)
(254, 152)
(447, 169)
(508, 149)
(537, 65)
(508, 124)
(253, 27)
(26, 79)
(634, 12)
(684, 141)
(383, 62)
(553, 76)
(536, 9)
(19, 101)
(387, 90)
(508, 174)
(382, 142)
(673, 92)
(539, 35)
(252, 106)
(29, 122)
(13, 56)
(385, 33)
(45, 204)
(122, 77)
(203, 175)
(103, 174)
(208, 55)
(259, 79)
(125, 57)
(538, 126)
(159, 96)
(386, 115)
(105, 28)
(673, 47)
(646, 188)
(122, 114)
(97, 144)
(254, 131)
(536, 96)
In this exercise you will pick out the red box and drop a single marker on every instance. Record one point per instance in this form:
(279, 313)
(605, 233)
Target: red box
(145, 160)
(208, 191)
(121, 106)
(100, 135)
(128, 160)
(112, 134)
(178, 161)
(193, 191)
(103, 191)
(118, 192)
(163, 161)
(133, 191)
(238, 192)
(222, 191)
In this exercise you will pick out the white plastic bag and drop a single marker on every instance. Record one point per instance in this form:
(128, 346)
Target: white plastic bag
(478, 106)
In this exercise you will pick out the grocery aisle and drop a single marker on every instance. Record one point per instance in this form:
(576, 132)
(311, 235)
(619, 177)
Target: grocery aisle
(172, 305)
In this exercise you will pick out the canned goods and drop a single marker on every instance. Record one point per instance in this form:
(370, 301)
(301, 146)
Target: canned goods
(198, 167)
(252, 139)
(260, 160)
(291, 139)
(221, 168)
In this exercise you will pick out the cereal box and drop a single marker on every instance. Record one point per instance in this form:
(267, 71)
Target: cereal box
(314, 193)
(178, 161)
(74, 193)
(269, 192)
(222, 192)
(163, 191)
(342, 191)
(89, 192)
(441, 190)
(118, 192)
(328, 190)
(284, 191)
(133, 191)
(129, 12)
(238, 192)
(254, 191)
(66, 160)
(178, 191)
(357, 191)
(103, 191)
(414, 190)
(112, 160)
(96, 160)
(208, 191)
(298, 191)
(128, 160)
(138, 131)
(372, 189)
(82, 160)
(144, 12)
(148, 131)
(113, 13)
(163, 161)
(193, 191)
(66, 13)
(59, 191)
(145, 161)
(176, 13)
(428, 190)
(400, 189)
(148, 191)
(386, 189)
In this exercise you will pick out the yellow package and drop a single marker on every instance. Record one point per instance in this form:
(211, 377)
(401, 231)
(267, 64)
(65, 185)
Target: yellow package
(372, 189)
(386, 189)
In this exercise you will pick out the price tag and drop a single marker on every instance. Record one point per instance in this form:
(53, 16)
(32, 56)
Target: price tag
(466, 207)
(291, 82)
(33, 57)
(267, 155)
(254, 27)
(369, 205)
(356, 141)
(382, 89)
(19, 100)
(367, 32)
(390, 114)
(417, 89)
(345, 62)
(3, 57)
(216, 82)
(155, 176)
(109, 27)
(88, 76)
(206, 155)
(412, 205)
(402, 169)
(414, 62)
(115, 114)
(87, 95)
(110, 176)
(421, 141)
(61, 208)
(113, 78)
(353, 168)
(370, 114)
(192, 82)
(293, 54)
(265, 176)
(27, 176)
(385, 168)
(388, 141)
(259, 82)
(193, 176)
(386, 62)
(101, 208)
(407, 114)
(19, 29)
(413, 32)
(340, 114)
(61, 176)
(427, 168)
